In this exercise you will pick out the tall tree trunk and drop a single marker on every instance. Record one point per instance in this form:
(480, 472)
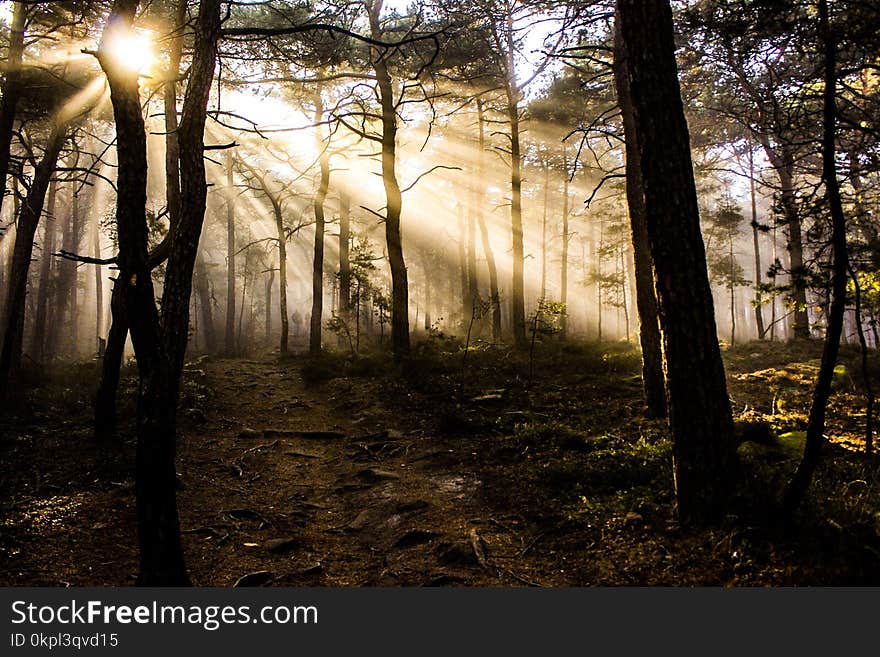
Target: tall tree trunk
(99, 283)
(105, 400)
(230, 258)
(161, 557)
(545, 204)
(50, 227)
(73, 279)
(646, 297)
(11, 90)
(759, 301)
(400, 343)
(797, 487)
(463, 267)
(473, 291)
(484, 231)
(783, 164)
(518, 307)
(316, 321)
(203, 289)
(28, 220)
(344, 258)
(699, 408)
(282, 278)
(563, 267)
(801, 325)
(270, 283)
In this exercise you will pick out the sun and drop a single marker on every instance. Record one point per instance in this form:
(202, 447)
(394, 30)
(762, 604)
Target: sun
(132, 49)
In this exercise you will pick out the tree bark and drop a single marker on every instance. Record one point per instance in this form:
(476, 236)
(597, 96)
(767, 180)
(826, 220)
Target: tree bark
(484, 231)
(99, 284)
(563, 267)
(653, 378)
(11, 90)
(105, 400)
(518, 307)
(344, 258)
(282, 278)
(759, 301)
(230, 258)
(400, 343)
(270, 282)
(699, 408)
(203, 289)
(316, 322)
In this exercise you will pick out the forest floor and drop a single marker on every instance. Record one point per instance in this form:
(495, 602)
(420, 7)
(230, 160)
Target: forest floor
(451, 471)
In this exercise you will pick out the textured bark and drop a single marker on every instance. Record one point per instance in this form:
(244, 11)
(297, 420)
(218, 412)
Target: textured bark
(699, 408)
(400, 343)
(316, 321)
(11, 90)
(797, 487)
(22, 252)
(646, 297)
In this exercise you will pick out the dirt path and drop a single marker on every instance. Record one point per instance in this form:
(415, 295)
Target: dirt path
(321, 485)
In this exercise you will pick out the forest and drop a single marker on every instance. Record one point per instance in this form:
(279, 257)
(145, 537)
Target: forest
(439, 293)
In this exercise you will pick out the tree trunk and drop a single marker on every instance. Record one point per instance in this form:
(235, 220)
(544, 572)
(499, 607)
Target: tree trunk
(463, 268)
(76, 233)
(11, 90)
(518, 308)
(28, 220)
(563, 267)
(316, 321)
(344, 258)
(473, 280)
(759, 301)
(270, 282)
(203, 288)
(400, 343)
(545, 204)
(797, 487)
(282, 278)
(783, 164)
(699, 408)
(484, 231)
(99, 285)
(230, 259)
(646, 297)
(50, 227)
(161, 557)
(105, 401)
